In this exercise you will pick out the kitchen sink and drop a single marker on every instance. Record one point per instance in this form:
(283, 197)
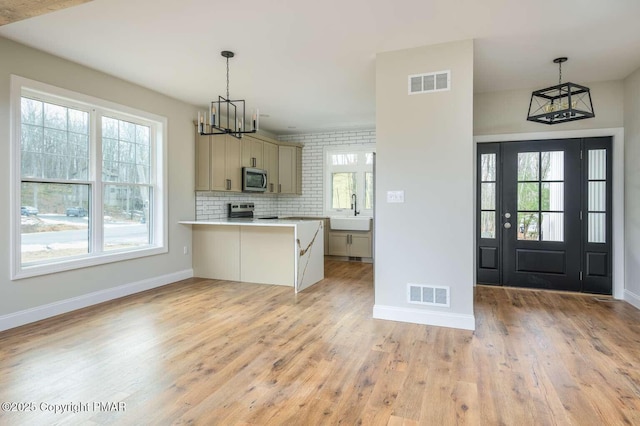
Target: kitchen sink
(350, 223)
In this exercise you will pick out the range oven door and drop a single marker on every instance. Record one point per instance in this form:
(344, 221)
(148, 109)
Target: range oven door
(254, 180)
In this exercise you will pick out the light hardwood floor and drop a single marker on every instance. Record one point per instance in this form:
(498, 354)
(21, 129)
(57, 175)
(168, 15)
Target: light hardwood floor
(218, 352)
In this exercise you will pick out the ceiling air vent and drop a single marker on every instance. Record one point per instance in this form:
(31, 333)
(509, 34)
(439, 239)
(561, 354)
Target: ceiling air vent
(430, 82)
(428, 295)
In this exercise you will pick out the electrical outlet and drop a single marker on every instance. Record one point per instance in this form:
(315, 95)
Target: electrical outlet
(186, 250)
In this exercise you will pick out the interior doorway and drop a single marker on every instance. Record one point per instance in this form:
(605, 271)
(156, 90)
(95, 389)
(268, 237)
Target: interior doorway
(544, 214)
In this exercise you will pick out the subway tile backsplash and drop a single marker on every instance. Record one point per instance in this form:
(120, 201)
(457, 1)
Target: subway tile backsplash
(213, 205)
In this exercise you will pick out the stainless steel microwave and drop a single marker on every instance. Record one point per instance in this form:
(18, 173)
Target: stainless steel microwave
(254, 180)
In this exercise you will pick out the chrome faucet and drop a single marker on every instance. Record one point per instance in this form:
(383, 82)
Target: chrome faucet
(354, 204)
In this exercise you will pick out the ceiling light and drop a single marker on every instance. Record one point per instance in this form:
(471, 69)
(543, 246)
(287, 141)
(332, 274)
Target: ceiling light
(561, 103)
(233, 111)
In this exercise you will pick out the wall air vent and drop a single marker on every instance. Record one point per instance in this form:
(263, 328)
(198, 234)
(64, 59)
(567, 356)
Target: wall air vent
(430, 82)
(423, 294)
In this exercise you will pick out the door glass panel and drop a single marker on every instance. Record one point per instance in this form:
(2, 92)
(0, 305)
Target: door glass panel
(528, 226)
(488, 167)
(488, 196)
(488, 225)
(553, 196)
(552, 165)
(541, 196)
(528, 165)
(528, 196)
(597, 164)
(597, 227)
(552, 227)
(597, 196)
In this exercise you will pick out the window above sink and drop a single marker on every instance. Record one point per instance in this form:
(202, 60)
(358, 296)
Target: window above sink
(348, 175)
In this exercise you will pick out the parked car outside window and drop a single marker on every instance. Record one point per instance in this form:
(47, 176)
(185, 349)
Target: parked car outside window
(76, 211)
(28, 211)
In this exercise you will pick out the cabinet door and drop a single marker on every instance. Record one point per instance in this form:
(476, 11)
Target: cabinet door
(252, 153)
(217, 163)
(233, 162)
(203, 156)
(360, 245)
(298, 176)
(270, 162)
(338, 243)
(287, 169)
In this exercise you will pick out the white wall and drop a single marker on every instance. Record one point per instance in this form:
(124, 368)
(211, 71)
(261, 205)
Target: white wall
(632, 187)
(51, 294)
(213, 205)
(506, 111)
(425, 148)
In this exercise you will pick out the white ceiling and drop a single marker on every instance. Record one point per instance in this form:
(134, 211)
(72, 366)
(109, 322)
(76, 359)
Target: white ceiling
(310, 65)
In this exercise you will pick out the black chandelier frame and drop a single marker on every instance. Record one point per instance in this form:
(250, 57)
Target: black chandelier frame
(561, 103)
(229, 108)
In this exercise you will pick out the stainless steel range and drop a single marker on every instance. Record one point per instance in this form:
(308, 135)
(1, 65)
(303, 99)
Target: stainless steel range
(241, 210)
(245, 210)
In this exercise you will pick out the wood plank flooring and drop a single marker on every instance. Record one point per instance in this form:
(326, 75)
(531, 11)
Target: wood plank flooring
(218, 352)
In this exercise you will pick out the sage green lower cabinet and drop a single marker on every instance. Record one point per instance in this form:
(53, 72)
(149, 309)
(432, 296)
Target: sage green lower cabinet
(350, 243)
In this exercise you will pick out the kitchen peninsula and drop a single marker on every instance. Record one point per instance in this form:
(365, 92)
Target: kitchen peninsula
(264, 251)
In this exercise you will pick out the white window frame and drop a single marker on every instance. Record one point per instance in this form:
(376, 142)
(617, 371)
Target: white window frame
(20, 87)
(360, 169)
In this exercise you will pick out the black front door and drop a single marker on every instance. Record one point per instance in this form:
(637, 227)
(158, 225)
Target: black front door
(544, 214)
(541, 214)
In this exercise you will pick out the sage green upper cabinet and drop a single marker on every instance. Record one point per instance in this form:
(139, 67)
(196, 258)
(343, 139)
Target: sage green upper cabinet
(252, 152)
(218, 163)
(290, 169)
(270, 164)
(203, 157)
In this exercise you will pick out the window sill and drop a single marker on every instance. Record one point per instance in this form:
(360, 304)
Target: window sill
(84, 262)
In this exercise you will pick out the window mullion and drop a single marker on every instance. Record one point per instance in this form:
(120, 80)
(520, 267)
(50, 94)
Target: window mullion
(97, 216)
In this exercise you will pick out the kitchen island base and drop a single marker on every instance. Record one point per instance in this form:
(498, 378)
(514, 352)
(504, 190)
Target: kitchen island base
(277, 252)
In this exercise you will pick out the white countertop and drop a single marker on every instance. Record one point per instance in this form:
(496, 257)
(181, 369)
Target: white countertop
(248, 222)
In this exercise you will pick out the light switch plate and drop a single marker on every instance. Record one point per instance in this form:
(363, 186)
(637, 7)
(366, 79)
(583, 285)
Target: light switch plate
(395, 196)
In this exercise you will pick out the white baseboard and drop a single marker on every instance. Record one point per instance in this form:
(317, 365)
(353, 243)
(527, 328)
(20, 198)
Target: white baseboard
(38, 313)
(419, 316)
(632, 298)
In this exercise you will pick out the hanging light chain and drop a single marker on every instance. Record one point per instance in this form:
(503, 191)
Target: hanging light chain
(559, 77)
(228, 77)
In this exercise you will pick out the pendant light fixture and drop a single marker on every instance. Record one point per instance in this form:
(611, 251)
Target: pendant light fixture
(227, 116)
(561, 103)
